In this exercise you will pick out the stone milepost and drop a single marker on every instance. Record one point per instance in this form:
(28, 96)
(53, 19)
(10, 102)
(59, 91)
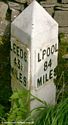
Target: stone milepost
(34, 52)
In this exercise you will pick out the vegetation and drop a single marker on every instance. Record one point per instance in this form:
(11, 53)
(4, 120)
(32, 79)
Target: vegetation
(62, 69)
(5, 79)
(51, 115)
(20, 106)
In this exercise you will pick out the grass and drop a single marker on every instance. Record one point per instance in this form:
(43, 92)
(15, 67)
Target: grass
(51, 115)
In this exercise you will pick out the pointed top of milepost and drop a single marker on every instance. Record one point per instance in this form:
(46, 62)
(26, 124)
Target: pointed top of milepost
(33, 19)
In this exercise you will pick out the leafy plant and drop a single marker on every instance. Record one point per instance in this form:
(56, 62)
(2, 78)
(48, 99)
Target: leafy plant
(20, 106)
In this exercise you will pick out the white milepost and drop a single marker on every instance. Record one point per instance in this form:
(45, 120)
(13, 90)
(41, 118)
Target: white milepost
(34, 51)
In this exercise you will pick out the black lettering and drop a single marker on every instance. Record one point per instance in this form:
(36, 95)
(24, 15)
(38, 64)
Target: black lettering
(51, 74)
(25, 56)
(14, 48)
(20, 77)
(52, 49)
(15, 62)
(48, 51)
(45, 66)
(50, 63)
(39, 81)
(39, 57)
(18, 51)
(18, 64)
(24, 81)
(21, 53)
(46, 77)
(43, 53)
(22, 66)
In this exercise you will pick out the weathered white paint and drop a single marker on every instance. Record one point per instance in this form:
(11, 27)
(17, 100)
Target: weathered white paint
(38, 31)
